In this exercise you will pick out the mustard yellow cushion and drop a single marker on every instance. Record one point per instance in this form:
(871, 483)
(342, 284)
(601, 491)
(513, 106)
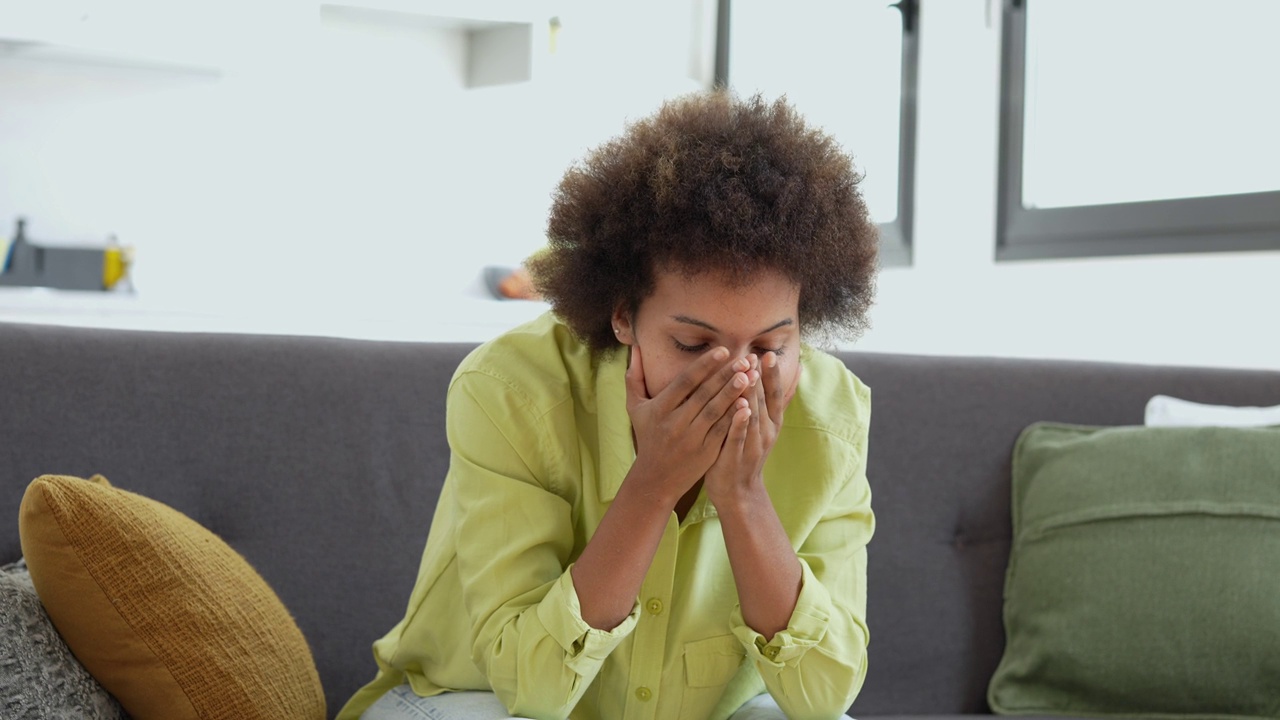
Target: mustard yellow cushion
(167, 617)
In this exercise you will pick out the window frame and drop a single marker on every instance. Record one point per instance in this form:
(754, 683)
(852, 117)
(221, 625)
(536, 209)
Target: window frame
(1217, 223)
(895, 237)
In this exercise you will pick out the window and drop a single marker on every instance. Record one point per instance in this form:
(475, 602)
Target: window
(1138, 126)
(850, 67)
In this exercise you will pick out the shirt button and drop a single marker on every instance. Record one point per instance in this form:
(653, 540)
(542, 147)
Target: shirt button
(654, 606)
(771, 652)
(643, 694)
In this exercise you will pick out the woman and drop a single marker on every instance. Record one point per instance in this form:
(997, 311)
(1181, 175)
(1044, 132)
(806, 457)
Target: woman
(629, 528)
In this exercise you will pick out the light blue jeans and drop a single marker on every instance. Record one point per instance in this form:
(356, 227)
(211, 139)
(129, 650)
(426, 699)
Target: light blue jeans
(402, 703)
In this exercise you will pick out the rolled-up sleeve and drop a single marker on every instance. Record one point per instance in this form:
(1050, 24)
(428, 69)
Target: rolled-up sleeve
(585, 647)
(815, 667)
(515, 542)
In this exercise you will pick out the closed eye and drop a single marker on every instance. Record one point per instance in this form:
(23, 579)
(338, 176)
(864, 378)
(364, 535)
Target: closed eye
(689, 348)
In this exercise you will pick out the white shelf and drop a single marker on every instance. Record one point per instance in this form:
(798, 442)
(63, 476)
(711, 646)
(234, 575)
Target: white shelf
(453, 14)
(505, 41)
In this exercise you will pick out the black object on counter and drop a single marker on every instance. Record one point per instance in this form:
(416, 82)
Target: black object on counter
(64, 268)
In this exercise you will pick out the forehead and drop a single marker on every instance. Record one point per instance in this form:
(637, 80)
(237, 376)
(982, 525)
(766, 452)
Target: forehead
(731, 305)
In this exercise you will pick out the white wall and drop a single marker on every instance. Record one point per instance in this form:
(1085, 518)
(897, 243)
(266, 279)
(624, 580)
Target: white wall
(337, 178)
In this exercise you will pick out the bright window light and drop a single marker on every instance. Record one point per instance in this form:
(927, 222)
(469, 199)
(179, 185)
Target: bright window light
(1136, 100)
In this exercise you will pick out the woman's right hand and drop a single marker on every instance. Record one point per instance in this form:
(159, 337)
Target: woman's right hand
(679, 432)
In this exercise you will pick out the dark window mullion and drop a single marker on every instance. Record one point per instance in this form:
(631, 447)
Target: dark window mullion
(1242, 222)
(896, 236)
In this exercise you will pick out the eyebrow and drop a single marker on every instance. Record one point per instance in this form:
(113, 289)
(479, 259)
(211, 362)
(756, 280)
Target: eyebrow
(692, 321)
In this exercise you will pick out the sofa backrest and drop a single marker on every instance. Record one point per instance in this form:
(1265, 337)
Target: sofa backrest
(942, 434)
(320, 461)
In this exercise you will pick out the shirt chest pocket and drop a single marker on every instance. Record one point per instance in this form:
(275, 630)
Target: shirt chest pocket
(712, 662)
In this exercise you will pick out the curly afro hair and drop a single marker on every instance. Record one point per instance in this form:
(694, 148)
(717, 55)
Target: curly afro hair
(710, 182)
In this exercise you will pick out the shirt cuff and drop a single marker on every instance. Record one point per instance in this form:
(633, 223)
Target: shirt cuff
(806, 628)
(583, 645)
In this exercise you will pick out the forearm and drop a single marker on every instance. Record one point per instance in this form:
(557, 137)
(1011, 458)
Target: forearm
(816, 666)
(765, 568)
(814, 661)
(540, 654)
(609, 573)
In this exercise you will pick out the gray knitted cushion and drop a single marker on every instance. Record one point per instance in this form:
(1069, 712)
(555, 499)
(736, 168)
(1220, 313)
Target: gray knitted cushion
(39, 677)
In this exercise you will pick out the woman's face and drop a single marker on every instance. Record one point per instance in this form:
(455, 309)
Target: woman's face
(688, 315)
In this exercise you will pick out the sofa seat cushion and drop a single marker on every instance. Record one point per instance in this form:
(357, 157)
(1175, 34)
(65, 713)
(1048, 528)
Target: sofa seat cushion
(969, 717)
(1144, 573)
(161, 611)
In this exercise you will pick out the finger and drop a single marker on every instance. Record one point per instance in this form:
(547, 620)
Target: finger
(696, 373)
(774, 393)
(755, 397)
(720, 430)
(723, 402)
(752, 394)
(753, 362)
(738, 430)
(712, 398)
(636, 391)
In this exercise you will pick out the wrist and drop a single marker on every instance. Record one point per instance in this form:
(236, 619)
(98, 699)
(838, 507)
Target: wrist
(655, 486)
(742, 497)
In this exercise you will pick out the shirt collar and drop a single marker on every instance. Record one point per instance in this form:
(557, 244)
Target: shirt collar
(701, 510)
(617, 449)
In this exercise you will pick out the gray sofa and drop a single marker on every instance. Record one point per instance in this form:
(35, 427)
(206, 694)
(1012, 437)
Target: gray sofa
(320, 460)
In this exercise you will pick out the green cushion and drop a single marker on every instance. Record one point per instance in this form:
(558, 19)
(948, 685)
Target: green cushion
(1144, 578)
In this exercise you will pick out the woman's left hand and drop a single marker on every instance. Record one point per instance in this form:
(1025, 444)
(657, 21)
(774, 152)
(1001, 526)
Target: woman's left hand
(757, 420)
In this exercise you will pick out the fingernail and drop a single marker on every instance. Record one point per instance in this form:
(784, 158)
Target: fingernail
(721, 353)
(771, 360)
(739, 381)
(741, 365)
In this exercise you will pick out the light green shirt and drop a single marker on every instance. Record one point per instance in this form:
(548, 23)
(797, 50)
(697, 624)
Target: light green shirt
(541, 442)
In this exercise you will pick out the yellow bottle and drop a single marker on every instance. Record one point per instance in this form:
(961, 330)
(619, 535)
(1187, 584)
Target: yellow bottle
(115, 263)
